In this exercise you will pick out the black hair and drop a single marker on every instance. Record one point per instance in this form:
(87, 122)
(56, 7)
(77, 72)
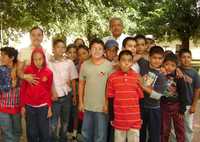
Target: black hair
(83, 47)
(98, 41)
(70, 46)
(140, 36)
(10, 52)
(126, 40)
(156, 50)
(56, 41)
(184, 50)
(79, 39)
(36, 28)
(171, 57)
(125, 52)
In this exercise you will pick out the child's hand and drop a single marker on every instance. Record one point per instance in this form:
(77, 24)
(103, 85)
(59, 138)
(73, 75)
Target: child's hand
(54, 96)
(81, 107)
(49, 113)
(31, 78)
(74, 100)
(105, 108)
(23, 111)
(192, 109)
(179, 73)
(163, 70)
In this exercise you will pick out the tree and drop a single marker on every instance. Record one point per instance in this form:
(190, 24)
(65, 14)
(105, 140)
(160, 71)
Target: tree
(178, 18)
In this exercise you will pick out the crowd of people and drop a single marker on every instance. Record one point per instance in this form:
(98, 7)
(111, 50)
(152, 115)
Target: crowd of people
(118, 89)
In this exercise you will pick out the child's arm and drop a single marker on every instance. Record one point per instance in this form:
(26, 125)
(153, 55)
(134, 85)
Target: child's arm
(74, 91)
(81, 88)
(195, 101)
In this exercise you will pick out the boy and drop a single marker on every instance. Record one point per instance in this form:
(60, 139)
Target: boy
(92, 83)
(153, 86)
(65, 73)
(193, 79)
(124, 86)
(10, 120)
(129, 43)
(141, 47)
(111, 47)
(173, 102)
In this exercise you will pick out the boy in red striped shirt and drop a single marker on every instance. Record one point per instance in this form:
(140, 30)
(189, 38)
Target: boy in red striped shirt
(124, 87)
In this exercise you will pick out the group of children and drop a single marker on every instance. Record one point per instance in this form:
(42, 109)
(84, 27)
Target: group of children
(134, 96)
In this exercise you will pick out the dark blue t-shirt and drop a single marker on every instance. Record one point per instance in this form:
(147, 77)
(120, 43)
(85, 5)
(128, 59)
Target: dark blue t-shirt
(193, 82)
(158, 81)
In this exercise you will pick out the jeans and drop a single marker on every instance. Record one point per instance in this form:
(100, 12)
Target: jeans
(152, 122)
(169, 113)
(61, 109)
(10, 124)
(94, 128)
(188, 123)
(37, 124)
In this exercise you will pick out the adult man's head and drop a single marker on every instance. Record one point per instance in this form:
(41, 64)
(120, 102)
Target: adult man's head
(116, 26)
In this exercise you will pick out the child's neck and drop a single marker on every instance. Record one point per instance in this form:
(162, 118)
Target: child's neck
(155, 68)
(36, 46)
(10, 65)
(97, 61)
(58, 57)
(186, 67)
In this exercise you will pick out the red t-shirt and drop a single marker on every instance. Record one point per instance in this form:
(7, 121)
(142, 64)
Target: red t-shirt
(126, 90)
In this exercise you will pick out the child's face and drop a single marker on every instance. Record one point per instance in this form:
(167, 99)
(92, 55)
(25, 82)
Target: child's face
(5, 60)
(36, 37)
(169, 66)
(72, 54)
(125, 63)
(83, 54)
(185, 59)
(79, 42)
(141, 46)
(97, 51)
(111, 53)
(58, 49)
(156, 60)
(38, 60)
(131, 46)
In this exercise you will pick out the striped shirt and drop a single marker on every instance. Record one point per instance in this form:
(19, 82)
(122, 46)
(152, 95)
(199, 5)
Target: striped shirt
(125, 89)
(10, 101)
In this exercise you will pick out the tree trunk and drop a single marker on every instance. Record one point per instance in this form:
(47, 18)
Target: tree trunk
(185, 42)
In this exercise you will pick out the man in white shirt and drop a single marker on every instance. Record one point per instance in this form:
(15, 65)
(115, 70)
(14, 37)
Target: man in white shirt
(116, 27)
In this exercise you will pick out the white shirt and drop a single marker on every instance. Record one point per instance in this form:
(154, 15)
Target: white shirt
(119, 40)
(63, 72)
(136, 67)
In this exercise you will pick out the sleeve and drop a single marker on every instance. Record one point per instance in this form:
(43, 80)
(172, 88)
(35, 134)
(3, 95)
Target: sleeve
(73, 71)
(5, 79)
(182, 94)
(139, 88)
(82, 75)
(23, 87)
(109, 89)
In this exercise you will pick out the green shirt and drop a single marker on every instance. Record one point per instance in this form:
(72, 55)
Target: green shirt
(96, 77)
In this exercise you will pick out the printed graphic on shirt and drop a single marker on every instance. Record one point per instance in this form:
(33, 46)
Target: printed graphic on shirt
(149, 79)
(101, 74)
(171, 88)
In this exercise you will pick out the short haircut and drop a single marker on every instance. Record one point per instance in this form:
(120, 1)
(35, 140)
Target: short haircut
(98, 41)
(71, 46)
(140, 36)
(115, 19)
(79, 39)
(156, 50)
(10, 52)
(125, 52)
(184, 50)
(56, 41)
(83, 47)
(171, 57)
(126, 40)
(36, 28)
